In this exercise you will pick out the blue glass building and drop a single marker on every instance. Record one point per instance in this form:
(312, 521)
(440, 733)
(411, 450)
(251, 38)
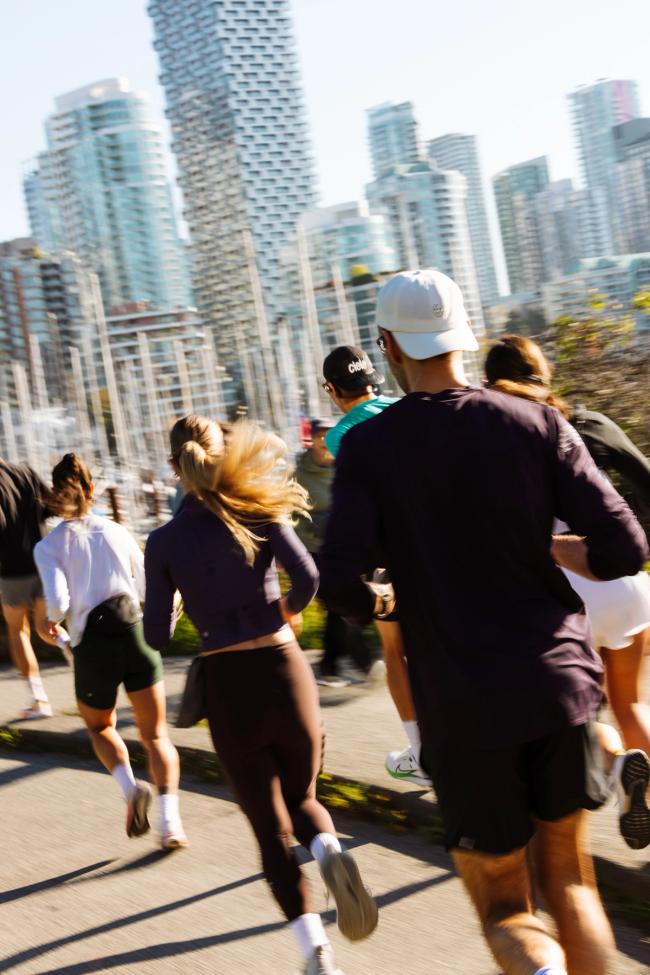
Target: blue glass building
(101, 190)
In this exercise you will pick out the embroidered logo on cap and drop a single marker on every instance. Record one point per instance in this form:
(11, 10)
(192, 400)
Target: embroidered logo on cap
(438, 311)
(359, 365)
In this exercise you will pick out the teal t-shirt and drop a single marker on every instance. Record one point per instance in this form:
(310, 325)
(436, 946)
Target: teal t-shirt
(359, 413)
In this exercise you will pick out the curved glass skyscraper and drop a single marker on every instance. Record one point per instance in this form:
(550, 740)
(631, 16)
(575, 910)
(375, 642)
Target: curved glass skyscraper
(234, 100)
(101, 190)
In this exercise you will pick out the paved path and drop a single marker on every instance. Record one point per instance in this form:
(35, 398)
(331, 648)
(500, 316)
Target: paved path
(361, 725)
(79, 897)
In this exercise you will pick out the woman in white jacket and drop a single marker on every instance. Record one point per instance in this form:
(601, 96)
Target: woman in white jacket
(93, 577)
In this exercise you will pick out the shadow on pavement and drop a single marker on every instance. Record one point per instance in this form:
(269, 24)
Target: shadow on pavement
(37, 950)
(175, 948)
(157, 952)
(21, 771)
(18, 892)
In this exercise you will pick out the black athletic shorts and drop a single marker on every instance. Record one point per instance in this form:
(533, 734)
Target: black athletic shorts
(102, 662)
(489, 799)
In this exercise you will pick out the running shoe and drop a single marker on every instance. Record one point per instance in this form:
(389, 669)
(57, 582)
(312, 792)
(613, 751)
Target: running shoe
(404, 766)
(137, 809)
(632, 783)
(332, 680)
(174, 839)
(322, 962)
(36, 710)
(356, 910)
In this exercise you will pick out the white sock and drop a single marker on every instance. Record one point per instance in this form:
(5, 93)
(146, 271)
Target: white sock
(170, 817)
(551, 971)
(617, 768)
(37, 689)
(320, 845)
(309, 932)
(123, 775)
(413, 734)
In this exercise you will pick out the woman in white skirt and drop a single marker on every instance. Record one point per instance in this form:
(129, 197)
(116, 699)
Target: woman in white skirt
(619, 610)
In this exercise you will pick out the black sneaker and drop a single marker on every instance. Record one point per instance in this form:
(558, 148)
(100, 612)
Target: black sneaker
(137, 810)
(632, 784)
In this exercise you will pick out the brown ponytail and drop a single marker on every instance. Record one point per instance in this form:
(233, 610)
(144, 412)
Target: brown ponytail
(517, 366)
(72, 488)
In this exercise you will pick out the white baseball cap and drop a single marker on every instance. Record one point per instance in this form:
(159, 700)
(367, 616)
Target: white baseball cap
(426, 313)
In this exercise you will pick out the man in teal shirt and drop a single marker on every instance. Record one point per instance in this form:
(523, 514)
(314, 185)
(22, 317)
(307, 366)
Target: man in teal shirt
(351, 381)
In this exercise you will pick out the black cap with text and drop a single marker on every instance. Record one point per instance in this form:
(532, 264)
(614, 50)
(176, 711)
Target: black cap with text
(347, 367)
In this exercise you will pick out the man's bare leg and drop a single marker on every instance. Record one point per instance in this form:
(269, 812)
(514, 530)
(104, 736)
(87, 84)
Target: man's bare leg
(397, 675)
(401, 764)
(19, 638)
(500, 888)
(567, 881)
(24, 659)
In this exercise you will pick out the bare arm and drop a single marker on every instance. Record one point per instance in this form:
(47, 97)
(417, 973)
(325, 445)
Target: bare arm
(571, 552)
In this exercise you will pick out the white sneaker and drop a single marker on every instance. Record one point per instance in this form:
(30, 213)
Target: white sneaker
(356, 908)
(332, 680)
(36, 710)
(322, 962)
(404, 766)
(173, 839)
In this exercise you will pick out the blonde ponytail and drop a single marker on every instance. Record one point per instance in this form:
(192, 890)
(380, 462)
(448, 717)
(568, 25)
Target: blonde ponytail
(243, 479)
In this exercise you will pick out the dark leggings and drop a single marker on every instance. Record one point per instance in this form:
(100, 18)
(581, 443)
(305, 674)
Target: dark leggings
(265, 723)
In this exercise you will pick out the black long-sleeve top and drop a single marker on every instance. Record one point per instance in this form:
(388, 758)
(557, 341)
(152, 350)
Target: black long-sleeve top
(456, 494)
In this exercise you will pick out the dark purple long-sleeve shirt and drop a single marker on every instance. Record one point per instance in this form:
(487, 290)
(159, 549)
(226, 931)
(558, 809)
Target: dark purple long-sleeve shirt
(227, 600)
(455, 494)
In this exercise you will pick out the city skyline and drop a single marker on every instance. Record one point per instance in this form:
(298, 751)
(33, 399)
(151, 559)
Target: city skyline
(506, 137)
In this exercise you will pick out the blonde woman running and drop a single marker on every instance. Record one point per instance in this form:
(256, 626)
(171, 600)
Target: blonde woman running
(93, 577)
(220, 552)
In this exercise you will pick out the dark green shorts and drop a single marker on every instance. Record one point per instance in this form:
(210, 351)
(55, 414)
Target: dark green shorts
(102, 663)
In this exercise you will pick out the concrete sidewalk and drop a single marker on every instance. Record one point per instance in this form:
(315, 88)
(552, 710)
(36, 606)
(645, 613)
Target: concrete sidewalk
(361, 726)
(90, 900)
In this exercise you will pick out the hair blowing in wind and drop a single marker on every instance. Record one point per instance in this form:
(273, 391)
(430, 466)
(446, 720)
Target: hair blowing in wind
(242, 478)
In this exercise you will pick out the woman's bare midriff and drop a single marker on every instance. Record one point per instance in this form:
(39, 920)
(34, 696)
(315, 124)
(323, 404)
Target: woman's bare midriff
(276, 639)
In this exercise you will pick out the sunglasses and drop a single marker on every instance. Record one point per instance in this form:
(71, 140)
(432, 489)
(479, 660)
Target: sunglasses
(381, 344)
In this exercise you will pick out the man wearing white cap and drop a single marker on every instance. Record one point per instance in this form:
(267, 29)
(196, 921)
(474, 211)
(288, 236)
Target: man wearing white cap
(505, 682)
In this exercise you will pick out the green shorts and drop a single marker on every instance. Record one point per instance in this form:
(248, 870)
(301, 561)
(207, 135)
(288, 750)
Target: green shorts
(102, 663)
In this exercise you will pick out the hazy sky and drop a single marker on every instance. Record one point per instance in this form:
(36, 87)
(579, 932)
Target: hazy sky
(498, 68)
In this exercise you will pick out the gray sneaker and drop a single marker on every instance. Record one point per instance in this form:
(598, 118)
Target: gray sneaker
(356, 911)
(137, 809)
(322, 962)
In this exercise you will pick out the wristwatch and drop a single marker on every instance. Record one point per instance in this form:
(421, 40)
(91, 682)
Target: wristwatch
(386, 596)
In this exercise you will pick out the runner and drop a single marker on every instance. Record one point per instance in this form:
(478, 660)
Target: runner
(351, 381)
(619, 610)
(505, 682)
(22, 516)
(314, 472)
(261, 699)
(93, 577)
